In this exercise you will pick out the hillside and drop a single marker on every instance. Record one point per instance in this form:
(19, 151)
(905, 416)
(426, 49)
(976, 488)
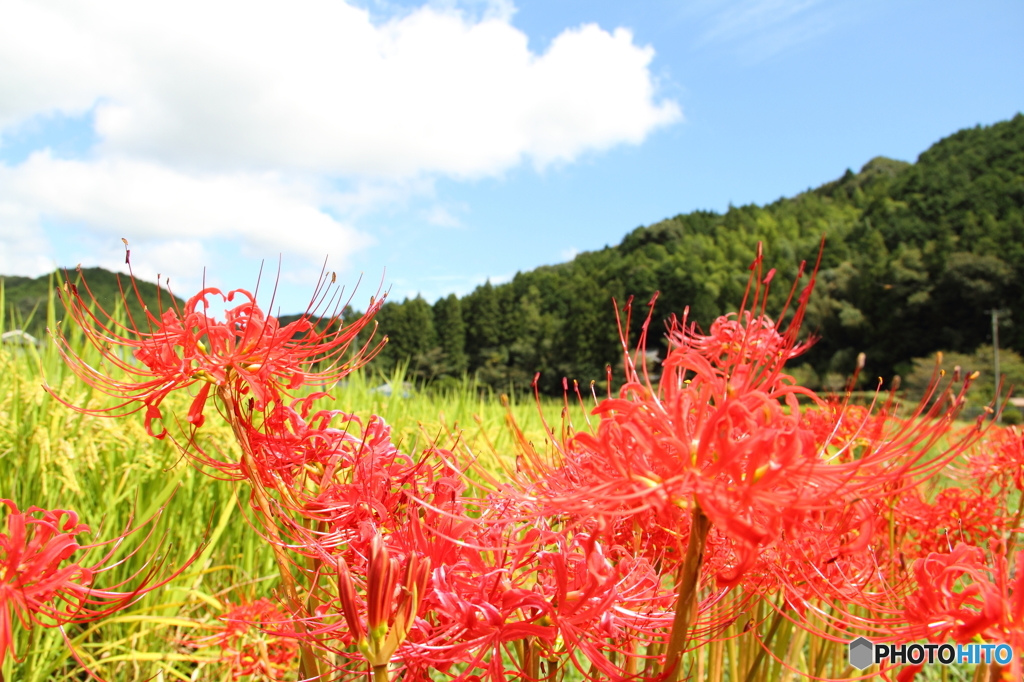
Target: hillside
(25, 298)
(916, 255)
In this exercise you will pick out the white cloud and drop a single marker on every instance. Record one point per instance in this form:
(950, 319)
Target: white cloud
(149, 203)
(24, 244)
(320, 87)
(367, 196)
(179, 259)
(758, 29)
(49, 64)
(442, 217)
(263, 128)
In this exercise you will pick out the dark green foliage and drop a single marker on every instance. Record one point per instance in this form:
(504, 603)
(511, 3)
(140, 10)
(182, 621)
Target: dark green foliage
(916, 382)
(451, 335)
(409, 327)
(937, 245)
(483, 333)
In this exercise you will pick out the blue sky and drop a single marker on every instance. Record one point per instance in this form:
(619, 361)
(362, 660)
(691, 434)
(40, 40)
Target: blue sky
(438, 145)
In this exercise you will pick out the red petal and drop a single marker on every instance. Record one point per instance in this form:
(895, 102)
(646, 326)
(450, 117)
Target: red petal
(195, 413)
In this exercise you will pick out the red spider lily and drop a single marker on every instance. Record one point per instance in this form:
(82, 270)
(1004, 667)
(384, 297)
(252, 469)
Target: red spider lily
(956, 596)
(466, 601)
(715, 415)
(707, 437)
(350, 482)
(391, 606)
(829, 558)
(724, 431)
(290, 444)
(367, 481)
(744, 347)
(500, 584)
(846, 428)
(723, 438)
(603, 605)
(256, 639)
(964, 596)
(31, 575)
(956, 516)
(517, 591)
(1001, 462)
(247, 354)
(40, 586)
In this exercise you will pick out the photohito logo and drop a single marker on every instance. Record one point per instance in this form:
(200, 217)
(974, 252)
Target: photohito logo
(864, 652)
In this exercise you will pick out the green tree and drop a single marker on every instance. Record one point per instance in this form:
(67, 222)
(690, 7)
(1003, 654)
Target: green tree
(451, 334)
(409, 327)
(483, 325)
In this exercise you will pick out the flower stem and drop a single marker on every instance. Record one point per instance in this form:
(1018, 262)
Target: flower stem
(308, 665)
(765, 643)
(1016, 524)
(686, 596)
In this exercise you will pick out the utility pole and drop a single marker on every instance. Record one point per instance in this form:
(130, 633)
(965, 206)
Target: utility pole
(995, 352)
(995, 359)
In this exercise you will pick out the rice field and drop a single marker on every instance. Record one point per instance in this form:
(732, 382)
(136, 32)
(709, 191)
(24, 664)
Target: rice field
(115, 476)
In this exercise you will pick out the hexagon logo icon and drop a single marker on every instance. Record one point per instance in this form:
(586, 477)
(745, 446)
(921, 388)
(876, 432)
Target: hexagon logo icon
(862, 653)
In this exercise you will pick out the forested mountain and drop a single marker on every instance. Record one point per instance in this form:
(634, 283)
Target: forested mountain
(25, 298)
(916, 255)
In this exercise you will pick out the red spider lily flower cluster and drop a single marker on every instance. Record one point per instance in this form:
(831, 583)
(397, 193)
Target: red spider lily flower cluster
(248, 354)
(966, 595)
(1000, 465)
(39, 583)
(403, 572)
(255, 640)
(955, 516)
(764, 488)
(386, 563)
(723, 486)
